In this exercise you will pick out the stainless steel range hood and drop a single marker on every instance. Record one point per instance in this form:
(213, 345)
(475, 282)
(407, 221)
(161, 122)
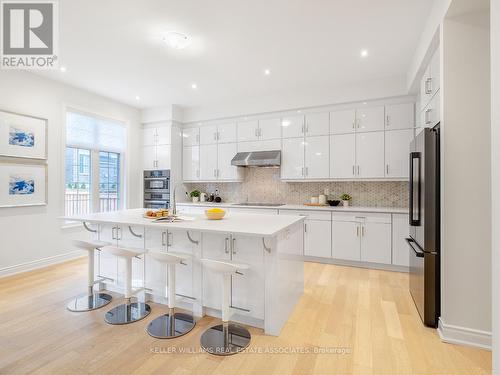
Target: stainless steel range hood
(257, 159)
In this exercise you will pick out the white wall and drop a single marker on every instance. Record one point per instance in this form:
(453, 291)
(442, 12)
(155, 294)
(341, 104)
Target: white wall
(466, 222)
(32, 234)
(495, 178)
(295, 99)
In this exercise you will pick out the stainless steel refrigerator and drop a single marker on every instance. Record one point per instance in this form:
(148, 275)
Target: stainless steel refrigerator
(424, 240)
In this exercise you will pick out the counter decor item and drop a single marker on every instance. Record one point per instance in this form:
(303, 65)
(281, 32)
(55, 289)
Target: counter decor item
(23, 185)
(315, 204)
(314, 200)
(333, 203)
(322, 199)
(195, 196)
(346, 198)
(22, 136)
(203, 197)
(217, 198)
(215, 213)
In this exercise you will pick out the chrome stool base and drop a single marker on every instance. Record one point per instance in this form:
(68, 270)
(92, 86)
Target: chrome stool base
(225, 339)
(89, 302)
(127, 313)
(169, 326)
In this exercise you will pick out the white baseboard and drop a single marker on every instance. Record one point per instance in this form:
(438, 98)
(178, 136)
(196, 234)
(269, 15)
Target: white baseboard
(464, 336)
(354, 263)
(40, 263)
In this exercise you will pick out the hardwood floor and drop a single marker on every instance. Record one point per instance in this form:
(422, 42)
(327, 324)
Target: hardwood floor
(368, 312)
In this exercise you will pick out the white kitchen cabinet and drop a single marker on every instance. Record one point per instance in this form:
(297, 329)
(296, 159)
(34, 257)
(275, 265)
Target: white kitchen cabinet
(397, 150)
(425, 90)
(246, 289)
(376, 242)
(107, 266)
(342, 121)
(435, 66)
(400, 116)
(274, 144)
(317, 157)
(400, 231)
(248, 131)
(370, 118)
(370, 155)
(208, 134)
(163, 135)
(191, 163)
(226, 133)
(214, 246)
(149, 136)
(430, 82)
(292, 126)
(226, 152)
(317, 124)
(148, 157)
(343, 156)
(431, 114)
(292, 159)
(178, 242)
(318, 238)
(270, 129)
(208, 162)
(191, 136)
(345, 240)
(163, 156)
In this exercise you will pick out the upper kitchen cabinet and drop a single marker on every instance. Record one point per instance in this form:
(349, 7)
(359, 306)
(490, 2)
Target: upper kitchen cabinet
(292, 159)
(397, 149)
(317, 157)
(400, 116)
(248, 131)
(149, 136)
(272, 144)
(293, 126)
(343, 156)
(431, 114)
(430, 82)
(225, 153)
(156, 135)
(191, 163)
(370, 155)
(370, 119)
(208, 162)
(270, 129)
(163, 135)
(342, 121)
(317, 124)
(163, 155)
(156, 147)
(226, 133)
(208, 134)
(191, 136)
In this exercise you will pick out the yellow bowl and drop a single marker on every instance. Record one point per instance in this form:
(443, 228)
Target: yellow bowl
(214, 215)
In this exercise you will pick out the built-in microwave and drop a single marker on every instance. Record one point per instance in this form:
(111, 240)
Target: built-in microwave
(157, 181)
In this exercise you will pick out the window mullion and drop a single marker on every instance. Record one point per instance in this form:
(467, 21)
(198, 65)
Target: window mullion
(94, 168)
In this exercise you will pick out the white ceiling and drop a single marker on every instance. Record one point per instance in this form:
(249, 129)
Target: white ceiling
(114, 47)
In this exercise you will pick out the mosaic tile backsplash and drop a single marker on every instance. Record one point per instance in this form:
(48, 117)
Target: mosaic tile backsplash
(264, 185)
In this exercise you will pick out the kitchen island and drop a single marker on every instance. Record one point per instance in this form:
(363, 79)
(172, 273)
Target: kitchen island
(264, 296)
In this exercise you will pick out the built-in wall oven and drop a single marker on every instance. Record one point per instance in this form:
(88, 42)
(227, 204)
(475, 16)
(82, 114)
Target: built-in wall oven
(157, 189)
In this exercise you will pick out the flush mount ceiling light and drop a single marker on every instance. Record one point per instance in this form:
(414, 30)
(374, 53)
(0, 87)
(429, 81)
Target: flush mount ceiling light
(176, 40)
(63, 69)
(364, 53)
(137, 97)
(194, 86)
(267, 72)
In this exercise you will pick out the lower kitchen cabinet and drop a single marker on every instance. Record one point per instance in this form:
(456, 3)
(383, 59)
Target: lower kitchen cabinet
(376, 242)
(346, 245)
(318, 238)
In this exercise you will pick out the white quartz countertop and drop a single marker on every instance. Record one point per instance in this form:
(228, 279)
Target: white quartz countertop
(390, 210)
(244, 224)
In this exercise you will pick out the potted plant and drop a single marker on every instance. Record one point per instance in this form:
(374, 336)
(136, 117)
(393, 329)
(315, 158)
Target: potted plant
(195, 196)
(345, 199)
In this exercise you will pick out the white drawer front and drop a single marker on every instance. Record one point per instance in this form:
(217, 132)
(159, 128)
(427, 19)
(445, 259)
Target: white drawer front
(311, 215)
(258, 211)
(365, 217)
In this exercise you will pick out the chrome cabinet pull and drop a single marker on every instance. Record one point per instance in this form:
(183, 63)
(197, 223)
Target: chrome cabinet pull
(226, 245)
(260, 132)
(363, 231)
(427, 117)
(387, 120)
(170, 239)
(302, 171)
(353, 170)
(307, 171)
(233, 245)
(163, 243)
(387, 169)
(357, 231)
(113, 233)
(305, 227)
(358, 170)
(428, 86)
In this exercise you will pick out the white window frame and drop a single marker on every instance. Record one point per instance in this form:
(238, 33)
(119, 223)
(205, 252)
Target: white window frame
(94, 160)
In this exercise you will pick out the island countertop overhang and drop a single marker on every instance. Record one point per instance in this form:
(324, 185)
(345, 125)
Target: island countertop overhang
(242, 224)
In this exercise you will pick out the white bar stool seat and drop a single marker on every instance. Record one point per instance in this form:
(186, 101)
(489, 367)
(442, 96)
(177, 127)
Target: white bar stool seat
(128, 312)
(226, 338)
(173, 324)
(91, 300)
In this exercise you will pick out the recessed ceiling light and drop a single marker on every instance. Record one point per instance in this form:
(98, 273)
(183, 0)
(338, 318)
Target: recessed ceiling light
(194, 86)
(267, 72)
(63, 69)
(137, 97)
(299, 111)
(176, 40)
(364, 53)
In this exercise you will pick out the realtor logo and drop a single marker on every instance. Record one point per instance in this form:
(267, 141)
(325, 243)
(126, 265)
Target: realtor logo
(30, 33)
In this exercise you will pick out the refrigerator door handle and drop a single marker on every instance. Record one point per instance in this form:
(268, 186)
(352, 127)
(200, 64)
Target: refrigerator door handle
(415, 156)
(419, 253)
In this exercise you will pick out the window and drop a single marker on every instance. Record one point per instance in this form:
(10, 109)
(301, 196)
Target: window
(94, 149)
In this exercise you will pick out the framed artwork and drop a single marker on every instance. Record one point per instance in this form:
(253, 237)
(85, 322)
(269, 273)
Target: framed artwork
(23, 185)
(22, 136)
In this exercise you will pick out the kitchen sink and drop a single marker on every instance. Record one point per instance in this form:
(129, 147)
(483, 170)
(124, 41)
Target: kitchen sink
(259, 204)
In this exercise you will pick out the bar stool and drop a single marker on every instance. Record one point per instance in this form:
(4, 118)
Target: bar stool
(128, 312)
(173, 324)
(90, 301)
(226, 338)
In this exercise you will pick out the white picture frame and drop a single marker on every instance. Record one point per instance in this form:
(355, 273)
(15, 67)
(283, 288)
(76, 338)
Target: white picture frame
(22, 136)
(23, 185)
